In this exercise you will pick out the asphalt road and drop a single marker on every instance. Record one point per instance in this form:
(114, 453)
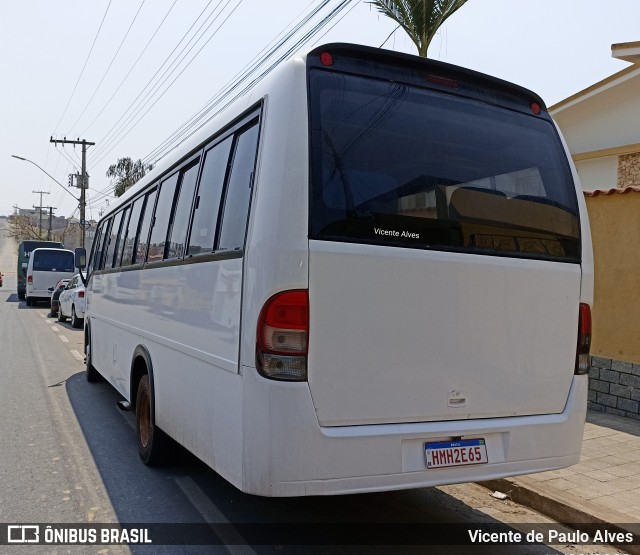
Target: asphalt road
(68, 455)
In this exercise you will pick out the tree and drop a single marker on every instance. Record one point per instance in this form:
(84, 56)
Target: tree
(126, 172)
(21, 228)
(421, 19)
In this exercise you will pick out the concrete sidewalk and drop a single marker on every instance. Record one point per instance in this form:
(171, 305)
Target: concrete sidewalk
(604, 488)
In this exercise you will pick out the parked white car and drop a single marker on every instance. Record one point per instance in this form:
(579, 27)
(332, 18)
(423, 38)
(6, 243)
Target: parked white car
(72, 302)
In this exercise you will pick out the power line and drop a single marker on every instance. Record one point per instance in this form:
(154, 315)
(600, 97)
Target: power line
(110, 64)
(104, 140)
(254, 72)
(214, 103)
(246, 71)
(134, 124)
(83, 68)
(132, 67)
(62, 152)
(225, 95)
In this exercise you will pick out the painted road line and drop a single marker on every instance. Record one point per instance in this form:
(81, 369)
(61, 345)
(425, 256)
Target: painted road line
(76, 355)
(63, 339)
(233, 540)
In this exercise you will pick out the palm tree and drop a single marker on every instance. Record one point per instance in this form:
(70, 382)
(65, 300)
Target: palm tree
(421, 19)
(126, 172)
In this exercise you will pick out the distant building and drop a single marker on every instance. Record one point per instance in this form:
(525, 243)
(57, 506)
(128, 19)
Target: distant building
(73, 234)
(57, 222)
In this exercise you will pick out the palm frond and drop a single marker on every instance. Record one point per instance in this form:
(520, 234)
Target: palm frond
(420, 19)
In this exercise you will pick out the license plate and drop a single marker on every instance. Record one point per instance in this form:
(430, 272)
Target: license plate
(442, 454)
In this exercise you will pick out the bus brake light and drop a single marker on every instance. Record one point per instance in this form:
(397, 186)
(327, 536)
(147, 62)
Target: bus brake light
(326, 59)
(583, 360)
(282, 336)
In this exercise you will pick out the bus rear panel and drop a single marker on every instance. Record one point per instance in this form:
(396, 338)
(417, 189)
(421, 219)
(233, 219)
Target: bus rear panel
(448, 258)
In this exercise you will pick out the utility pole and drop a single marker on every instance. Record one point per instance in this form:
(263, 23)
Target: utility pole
(51, 209)
(83, 180)
(40, 211)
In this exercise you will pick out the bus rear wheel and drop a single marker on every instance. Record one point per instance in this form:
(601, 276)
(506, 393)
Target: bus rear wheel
(91, 373)
(151, 440)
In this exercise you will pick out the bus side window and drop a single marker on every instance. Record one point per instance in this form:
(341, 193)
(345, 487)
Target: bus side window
(113, 240)
(238, 193)
(96, 251)
(130, 235)
(121, 236)
(160, 229)
(178, 232)
(106, 236)
(142, 241)
(205, 216)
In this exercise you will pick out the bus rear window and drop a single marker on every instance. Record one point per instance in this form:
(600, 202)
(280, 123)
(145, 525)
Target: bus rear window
(398, 165)
(51, 261)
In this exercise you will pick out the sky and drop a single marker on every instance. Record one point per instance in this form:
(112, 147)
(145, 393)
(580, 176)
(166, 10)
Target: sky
(114, 72)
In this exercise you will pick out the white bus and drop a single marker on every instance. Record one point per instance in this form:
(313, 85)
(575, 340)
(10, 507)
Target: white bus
(371, 272)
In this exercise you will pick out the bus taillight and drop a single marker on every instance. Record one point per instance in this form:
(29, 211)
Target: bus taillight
(282, 336)
(583, 360)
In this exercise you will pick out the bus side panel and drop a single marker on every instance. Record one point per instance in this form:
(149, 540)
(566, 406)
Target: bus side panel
(188, 318)
(276, 255)
(277, 250)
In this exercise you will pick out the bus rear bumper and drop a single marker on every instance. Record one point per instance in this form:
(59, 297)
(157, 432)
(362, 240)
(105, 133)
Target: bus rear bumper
(369, 458)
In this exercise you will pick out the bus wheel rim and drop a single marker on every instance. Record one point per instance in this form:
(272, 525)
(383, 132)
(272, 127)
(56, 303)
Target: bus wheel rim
(144, 421)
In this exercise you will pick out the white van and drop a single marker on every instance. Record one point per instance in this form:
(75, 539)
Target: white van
(372, 272)
(45, 268)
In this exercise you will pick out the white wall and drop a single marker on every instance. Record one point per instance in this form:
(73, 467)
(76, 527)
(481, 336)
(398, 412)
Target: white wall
(607, 120)
(598, 173)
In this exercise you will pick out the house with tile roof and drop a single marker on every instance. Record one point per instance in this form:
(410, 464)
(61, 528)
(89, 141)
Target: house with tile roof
(601, 126)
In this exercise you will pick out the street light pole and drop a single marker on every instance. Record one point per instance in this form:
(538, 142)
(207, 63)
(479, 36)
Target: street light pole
(56, 181)
(45, 172)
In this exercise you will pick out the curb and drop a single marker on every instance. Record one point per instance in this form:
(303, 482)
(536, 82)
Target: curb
(568, 509)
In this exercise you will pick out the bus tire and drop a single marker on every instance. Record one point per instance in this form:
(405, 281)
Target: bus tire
(91, 373)
(151, 440)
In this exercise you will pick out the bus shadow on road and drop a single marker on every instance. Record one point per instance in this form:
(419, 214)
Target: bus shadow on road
(13, 298)
(187, 493)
